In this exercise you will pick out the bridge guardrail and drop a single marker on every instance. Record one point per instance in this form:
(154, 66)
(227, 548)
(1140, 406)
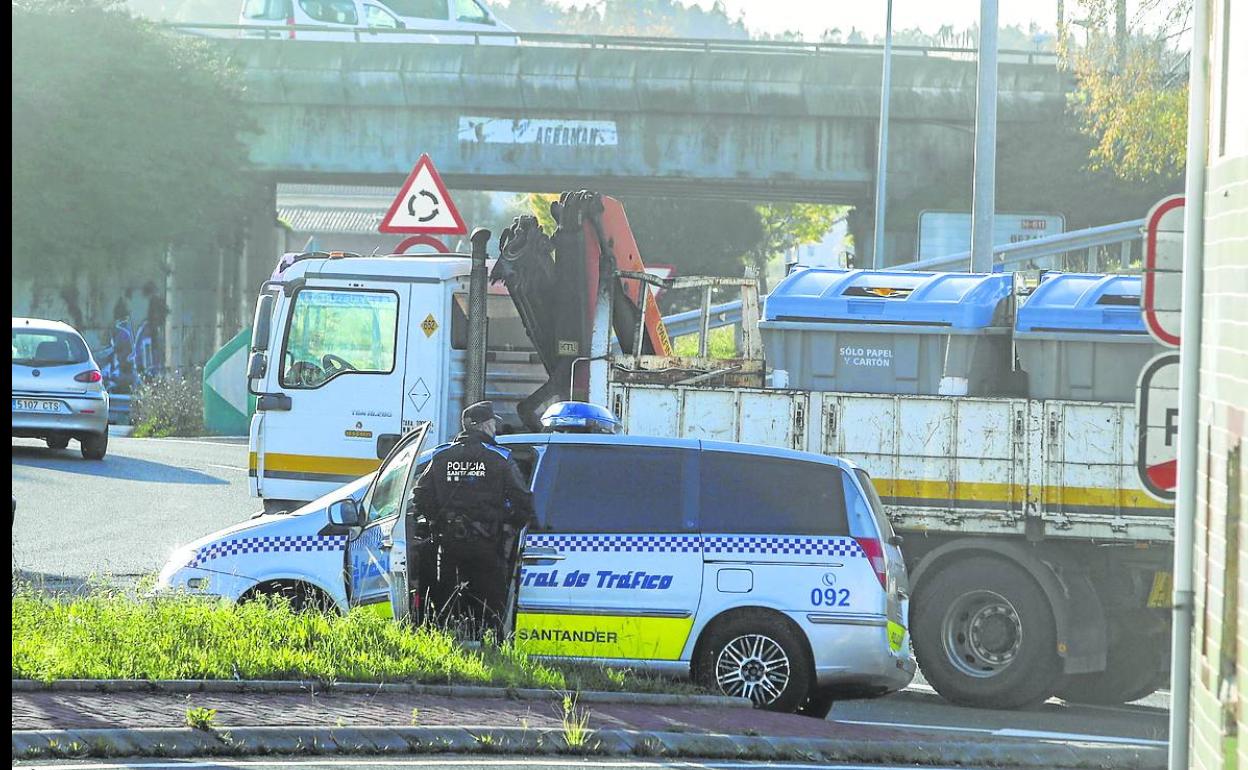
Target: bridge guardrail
(558, 39)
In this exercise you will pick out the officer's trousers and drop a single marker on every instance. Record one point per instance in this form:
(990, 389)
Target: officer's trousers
(481, 571)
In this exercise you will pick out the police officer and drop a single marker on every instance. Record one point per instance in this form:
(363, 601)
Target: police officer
(474, 496)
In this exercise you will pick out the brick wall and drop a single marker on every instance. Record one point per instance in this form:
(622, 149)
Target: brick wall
(1220, 635)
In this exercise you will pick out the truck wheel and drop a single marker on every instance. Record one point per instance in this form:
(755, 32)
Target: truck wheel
(94, 446)
(984, 635)
(57, 442)
(1134, 667)
(752, 655)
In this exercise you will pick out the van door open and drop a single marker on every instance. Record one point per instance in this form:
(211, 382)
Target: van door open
(334, 387)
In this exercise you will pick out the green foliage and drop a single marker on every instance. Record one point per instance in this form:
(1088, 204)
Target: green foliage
(129, 134)
(722, 344)
(167, 406)
(201, 718)
(575, 721)
(786, 225)
(108, 635)
(1132, 90)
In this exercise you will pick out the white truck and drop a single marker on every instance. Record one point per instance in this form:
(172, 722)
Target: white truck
(1038, 563)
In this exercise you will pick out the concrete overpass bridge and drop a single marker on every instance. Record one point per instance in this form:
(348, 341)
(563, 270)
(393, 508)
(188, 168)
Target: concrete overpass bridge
(734, 119)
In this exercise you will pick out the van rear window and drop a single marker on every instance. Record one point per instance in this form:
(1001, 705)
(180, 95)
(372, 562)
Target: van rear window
(742, 493)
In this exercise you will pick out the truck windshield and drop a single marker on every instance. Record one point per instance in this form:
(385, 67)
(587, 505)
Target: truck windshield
(334, 332)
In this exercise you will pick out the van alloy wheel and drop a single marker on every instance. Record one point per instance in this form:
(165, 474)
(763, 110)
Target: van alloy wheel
(753, 666)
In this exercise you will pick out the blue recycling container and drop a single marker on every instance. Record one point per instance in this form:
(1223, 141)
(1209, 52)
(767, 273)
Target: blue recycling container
(1081, 337)
(876, 331)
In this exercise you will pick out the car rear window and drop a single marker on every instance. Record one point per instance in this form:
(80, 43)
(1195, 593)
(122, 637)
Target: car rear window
(745, 493)
(46, 347)
(616, 489)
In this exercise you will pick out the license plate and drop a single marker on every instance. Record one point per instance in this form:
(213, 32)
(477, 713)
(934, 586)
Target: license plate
(38, 405)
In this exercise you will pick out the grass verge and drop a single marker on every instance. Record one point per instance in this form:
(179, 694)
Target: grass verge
(108, 635)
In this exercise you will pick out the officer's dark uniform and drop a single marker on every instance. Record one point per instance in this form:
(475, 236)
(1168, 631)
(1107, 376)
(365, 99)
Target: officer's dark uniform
(475, 497)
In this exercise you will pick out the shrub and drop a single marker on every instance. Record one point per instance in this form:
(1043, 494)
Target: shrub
(167, 406)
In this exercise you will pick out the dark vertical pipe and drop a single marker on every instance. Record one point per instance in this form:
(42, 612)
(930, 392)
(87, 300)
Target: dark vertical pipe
(474, 388)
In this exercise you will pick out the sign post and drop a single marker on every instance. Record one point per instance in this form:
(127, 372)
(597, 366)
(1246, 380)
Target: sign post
(1157, 393)
(1157, 409)
(423, 208)
(1162, 296)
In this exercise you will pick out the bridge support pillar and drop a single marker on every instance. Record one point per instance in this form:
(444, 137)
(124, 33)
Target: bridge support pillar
(861, 223)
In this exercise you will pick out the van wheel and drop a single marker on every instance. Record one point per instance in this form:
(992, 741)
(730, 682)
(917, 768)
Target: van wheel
(57, 442)
(984, 635)
(757, 657)
(1134, 667)
(94, 446)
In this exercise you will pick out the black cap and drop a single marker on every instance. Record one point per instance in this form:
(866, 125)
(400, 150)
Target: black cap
(479, 412)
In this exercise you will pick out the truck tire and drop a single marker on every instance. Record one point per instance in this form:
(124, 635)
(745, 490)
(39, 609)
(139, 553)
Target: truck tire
(94, 446)
(984, 635)
(757, 656)
(1134, 667)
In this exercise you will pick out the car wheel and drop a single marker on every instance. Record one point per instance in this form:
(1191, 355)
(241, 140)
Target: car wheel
(57, 442)
(1134, 667)
(94, 446)
(984, 635)
(818, 704)
(752, 655)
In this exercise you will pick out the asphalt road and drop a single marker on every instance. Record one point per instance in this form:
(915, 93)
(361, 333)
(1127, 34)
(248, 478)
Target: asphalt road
(122, 516)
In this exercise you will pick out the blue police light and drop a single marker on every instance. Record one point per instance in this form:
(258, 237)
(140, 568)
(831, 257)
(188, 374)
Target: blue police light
(579, 417)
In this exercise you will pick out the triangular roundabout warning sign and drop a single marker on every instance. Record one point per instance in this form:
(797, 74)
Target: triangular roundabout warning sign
(423, 205)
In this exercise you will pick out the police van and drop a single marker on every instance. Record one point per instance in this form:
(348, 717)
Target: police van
(764, 573)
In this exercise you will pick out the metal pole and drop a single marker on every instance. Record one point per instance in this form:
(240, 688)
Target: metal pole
(1189, 390)
(474, 388)
(983, 202)
(881, 156)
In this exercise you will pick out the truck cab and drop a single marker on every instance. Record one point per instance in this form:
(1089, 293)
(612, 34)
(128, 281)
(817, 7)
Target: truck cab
(349, 353)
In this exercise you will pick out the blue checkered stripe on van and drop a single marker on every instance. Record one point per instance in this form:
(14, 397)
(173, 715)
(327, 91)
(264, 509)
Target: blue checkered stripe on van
(713, 544)
(776, 545)
(272, 544)
(618, 543)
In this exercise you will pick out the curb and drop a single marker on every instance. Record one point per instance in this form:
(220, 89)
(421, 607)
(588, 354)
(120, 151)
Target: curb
(239, 741)
(302, 686)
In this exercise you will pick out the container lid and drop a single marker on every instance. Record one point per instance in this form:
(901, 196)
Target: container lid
(956, 300)
(1080, 302)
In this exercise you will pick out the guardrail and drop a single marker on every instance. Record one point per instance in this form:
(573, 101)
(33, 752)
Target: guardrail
(558, 39)
(1056, 250)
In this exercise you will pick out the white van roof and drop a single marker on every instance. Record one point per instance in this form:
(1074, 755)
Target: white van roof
(442, 267)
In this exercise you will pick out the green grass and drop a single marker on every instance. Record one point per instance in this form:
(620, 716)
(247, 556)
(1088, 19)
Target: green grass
(107, 635)
(722, 344)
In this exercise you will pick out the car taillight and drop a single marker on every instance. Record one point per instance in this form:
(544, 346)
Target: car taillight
(875, 554)
(91, 375)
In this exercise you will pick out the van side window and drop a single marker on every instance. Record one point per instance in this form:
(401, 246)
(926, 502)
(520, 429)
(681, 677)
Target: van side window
(268, 10)
(745, 493)
(616, 489)
(420, 9)
(331, 11)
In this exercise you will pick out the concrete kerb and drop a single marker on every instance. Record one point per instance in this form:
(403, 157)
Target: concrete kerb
(244, 741)
(266, 686)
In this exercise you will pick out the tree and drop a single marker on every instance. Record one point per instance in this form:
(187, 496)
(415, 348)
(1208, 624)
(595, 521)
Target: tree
(126, 142)
(786, 225)
(1132, 87)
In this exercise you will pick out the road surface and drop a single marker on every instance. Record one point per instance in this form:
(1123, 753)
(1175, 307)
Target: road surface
(121, 518)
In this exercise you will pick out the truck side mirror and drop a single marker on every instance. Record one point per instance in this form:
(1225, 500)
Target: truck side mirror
(263, 323)
(257, 365)
(345, 513)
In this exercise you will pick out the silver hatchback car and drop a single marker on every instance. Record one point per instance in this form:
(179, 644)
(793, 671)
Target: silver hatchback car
(58, 393)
